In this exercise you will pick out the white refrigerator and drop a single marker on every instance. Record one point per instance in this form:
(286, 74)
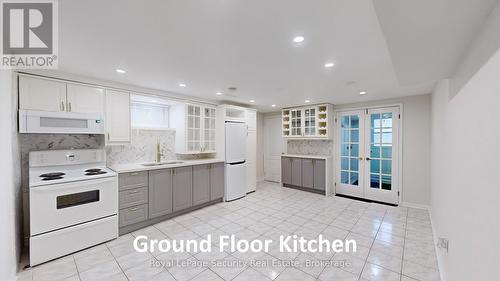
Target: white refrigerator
(236, 173)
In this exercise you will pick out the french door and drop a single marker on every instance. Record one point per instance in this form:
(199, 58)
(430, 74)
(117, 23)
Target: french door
(368, 157)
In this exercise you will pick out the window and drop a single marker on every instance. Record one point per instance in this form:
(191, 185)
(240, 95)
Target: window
(149, 115)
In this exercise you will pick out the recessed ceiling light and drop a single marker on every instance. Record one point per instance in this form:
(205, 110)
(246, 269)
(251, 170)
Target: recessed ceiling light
(219, 93)
(273, 105)
(329, 64)
(307, 101)
(298, 39)
(120, 71)
(182, 85)
(252, 100)
(363, 92)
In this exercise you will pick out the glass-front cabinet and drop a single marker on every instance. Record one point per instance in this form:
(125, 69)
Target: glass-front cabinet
(311, 122)
(195, 128)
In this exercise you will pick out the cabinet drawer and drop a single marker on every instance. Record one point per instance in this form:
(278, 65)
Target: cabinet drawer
(133, 180)
(133, 197)
(133, 215)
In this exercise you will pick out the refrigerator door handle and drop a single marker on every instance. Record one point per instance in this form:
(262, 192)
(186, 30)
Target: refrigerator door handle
(237, 163)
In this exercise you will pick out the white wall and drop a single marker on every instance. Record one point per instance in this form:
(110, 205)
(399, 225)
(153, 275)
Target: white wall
(9, 185)
(465, 180)
(416, 146)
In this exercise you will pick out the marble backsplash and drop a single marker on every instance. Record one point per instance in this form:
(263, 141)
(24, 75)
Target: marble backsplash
(310, 147)
(142, 147)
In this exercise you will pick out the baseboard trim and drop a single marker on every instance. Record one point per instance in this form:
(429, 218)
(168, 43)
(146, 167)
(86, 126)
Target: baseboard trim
(415, 205)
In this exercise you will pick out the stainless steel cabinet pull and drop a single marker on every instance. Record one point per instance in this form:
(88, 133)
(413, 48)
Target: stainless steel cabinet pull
(134, 192)
(62, 106)
(69, 106)
(133, 209)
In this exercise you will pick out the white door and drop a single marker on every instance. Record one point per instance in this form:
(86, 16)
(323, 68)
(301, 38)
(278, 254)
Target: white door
(236, 138)
(117, 117)
(41, 94)
(85, 99)
(274, 145)
(368, 154)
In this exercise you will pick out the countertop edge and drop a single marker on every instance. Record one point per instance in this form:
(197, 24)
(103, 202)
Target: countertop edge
(127, 168)
(306, 156)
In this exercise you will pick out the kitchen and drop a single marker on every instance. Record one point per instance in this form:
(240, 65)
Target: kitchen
(240, 127)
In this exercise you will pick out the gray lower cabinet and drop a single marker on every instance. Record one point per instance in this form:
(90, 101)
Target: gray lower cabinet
(307, 173)
(304, 172)
(201, 184)
(286, 170)
(133, 215)
(216, 181)
(147, 196)
(160, 193)
(132, 180)
(319, 174)
(182, 188)
(297, 171)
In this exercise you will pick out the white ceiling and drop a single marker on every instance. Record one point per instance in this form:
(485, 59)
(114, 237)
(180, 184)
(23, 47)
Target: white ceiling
(396, 48)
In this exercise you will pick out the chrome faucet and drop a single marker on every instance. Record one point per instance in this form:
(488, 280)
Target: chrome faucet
(158, 152)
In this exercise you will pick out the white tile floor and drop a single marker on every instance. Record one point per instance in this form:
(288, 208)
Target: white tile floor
(393, 243)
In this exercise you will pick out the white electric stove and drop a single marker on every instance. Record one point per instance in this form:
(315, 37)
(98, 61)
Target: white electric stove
(73, 202)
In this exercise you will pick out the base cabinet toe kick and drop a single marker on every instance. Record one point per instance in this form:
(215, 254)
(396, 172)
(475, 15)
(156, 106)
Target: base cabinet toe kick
(313, 174)
(149, 197)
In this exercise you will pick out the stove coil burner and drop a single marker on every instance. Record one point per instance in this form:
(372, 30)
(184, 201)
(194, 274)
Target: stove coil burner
(52, 178)
(52, 175)
(93, 170)
(95, 173)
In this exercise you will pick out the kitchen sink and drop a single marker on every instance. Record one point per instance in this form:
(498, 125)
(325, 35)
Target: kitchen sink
(161, 163)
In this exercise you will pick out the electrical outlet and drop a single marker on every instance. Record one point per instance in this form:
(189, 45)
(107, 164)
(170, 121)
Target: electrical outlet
(443, 243)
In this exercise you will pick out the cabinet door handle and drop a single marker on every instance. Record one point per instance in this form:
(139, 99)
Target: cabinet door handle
(108, 136)
(62, 106)
(133, 209)
(134, 174)
(69, 106)
(134, 192)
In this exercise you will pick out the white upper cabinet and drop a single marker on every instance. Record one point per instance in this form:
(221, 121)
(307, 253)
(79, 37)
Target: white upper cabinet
(308, 122)
(42, 94)
(117, 118)
(195, 128)
(56, 96)
(85, 99)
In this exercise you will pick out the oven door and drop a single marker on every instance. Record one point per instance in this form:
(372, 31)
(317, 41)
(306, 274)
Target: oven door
(57, 206)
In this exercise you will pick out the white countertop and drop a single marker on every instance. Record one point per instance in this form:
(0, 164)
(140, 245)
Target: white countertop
(135, 167)
(306, 156)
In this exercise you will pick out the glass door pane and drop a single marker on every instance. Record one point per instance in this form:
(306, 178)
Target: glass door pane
(381, 150)
(350, 147)
(310, 122)
(296, 122)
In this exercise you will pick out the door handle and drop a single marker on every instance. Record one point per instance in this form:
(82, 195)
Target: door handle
(62, 106)
(361, 158)
(368, 159)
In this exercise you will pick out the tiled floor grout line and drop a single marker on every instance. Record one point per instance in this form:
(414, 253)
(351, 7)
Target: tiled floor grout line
(114, 258)
(404, 246)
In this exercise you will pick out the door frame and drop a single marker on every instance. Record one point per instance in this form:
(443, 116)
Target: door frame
(336, 150)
